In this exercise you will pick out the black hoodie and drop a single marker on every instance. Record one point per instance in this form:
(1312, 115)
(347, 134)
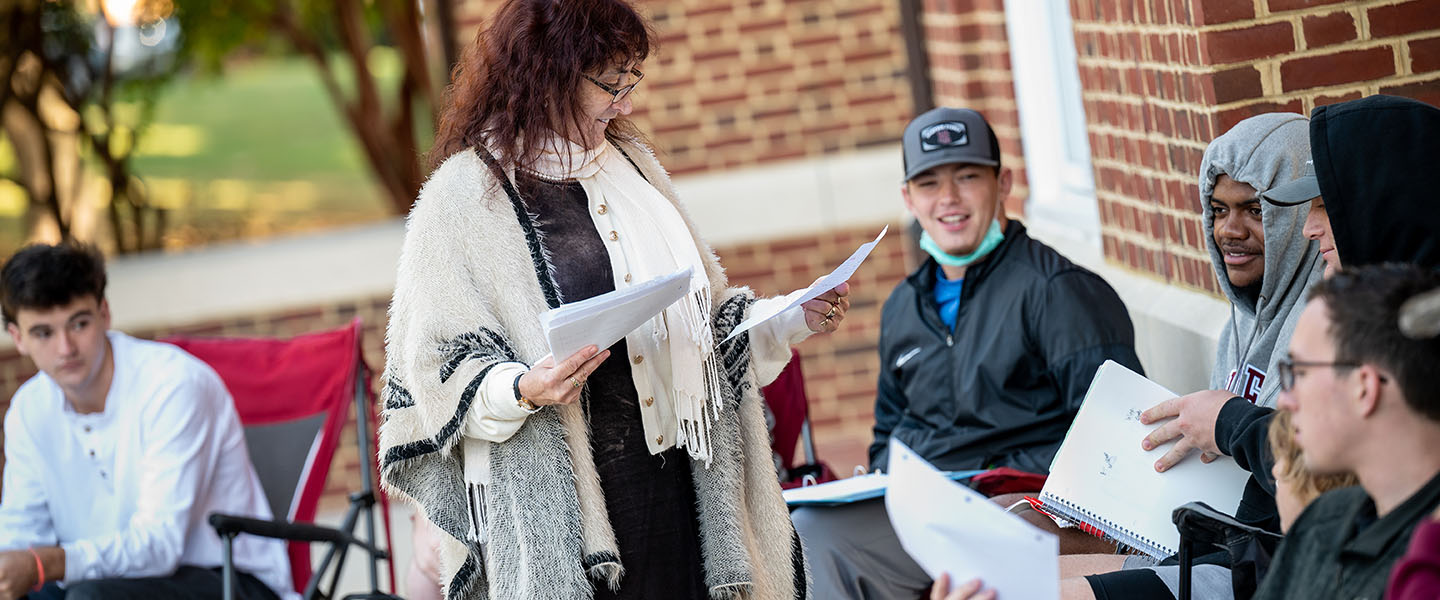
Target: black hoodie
(1376, 164)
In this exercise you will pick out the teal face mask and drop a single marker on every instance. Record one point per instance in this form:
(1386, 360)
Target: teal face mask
(993, 237)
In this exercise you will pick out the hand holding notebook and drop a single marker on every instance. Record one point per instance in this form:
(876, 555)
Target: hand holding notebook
(1102, 478)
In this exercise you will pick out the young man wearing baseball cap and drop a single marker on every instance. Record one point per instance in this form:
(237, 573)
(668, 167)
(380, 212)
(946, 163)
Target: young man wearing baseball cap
(986, 350)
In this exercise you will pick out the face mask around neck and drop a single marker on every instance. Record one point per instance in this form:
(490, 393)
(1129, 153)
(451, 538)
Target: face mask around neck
(993, 236)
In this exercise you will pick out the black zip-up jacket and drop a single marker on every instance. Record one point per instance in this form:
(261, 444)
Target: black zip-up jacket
(1002, 387)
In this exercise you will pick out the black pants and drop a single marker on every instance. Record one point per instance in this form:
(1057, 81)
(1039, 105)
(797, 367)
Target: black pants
(186, 583)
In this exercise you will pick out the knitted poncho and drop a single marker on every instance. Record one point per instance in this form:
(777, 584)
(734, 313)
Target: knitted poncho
(473, 277)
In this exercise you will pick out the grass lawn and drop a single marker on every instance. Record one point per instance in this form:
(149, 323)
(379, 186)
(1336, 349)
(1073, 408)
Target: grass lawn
(267, 120)
(257, 151)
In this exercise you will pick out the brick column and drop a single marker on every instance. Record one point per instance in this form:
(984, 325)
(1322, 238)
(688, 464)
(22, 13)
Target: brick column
(1163, 78)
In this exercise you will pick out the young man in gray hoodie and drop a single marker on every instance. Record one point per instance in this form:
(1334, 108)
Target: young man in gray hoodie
(1265, 265)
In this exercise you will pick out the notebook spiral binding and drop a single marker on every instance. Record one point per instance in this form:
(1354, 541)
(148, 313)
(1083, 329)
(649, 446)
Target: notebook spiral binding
(1103, 528)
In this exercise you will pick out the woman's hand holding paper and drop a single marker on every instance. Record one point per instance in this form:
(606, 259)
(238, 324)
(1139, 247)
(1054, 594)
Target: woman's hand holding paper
(547, 383)
(824, 313)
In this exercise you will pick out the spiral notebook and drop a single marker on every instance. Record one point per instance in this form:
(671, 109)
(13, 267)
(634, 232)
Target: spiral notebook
(1102, 479)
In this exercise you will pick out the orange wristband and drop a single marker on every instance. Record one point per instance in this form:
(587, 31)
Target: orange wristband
(39, 568)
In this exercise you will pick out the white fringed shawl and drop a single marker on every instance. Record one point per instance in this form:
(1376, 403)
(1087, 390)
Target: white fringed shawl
(655, 242)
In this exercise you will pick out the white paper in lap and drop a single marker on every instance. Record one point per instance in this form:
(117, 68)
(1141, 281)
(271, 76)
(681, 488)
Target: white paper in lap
(948, 528)
(840, 275)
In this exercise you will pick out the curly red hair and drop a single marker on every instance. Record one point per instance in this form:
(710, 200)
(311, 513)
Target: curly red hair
(518, 80)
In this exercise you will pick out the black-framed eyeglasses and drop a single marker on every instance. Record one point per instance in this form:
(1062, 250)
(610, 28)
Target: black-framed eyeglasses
(1285, 368)
(617, 94)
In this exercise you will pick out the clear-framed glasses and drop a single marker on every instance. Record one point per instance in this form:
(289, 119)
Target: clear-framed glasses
(1285, 368)
(617, 94)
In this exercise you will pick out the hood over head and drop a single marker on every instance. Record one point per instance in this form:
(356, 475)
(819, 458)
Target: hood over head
(1263, 151)
(1375, 162)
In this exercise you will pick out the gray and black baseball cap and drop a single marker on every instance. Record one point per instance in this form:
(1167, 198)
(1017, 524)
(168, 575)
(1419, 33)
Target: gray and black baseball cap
(1299, 191)
(943, 135)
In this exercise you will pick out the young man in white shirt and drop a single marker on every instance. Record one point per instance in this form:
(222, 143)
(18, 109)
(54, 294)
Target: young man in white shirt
(116, 453)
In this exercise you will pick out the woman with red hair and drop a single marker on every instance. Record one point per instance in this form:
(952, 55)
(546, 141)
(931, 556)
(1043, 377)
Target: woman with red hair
(638, 471)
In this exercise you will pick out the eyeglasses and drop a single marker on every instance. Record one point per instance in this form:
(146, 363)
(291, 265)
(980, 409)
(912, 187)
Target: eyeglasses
(1285, 367)
(617, 94)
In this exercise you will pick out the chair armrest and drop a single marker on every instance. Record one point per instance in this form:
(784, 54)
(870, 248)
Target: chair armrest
(230, 525)
(1202, 524)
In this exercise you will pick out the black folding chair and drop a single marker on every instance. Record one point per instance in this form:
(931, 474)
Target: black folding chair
(1204, 530)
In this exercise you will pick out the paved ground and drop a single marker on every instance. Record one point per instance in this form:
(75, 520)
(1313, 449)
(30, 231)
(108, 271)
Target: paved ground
(355, 577)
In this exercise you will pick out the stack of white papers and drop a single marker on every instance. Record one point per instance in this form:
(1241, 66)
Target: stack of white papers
(949, 528)
(606, 319)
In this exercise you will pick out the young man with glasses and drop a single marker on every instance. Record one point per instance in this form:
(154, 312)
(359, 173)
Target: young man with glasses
(1365, 399)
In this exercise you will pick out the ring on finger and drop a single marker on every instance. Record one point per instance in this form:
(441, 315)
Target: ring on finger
(831, 314)
(824, 322)
(575, 382)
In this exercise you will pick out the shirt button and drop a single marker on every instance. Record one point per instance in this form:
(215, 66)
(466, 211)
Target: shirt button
(659, 439)
(87, 429)
(639, 359)
(627, 278)
(603, 209)
(649, 401)
(92, 454)
(614, 235)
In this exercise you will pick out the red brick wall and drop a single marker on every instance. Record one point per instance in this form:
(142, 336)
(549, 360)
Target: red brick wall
(840, 368)
(743, 82)
(969, 55)
(1162, 78)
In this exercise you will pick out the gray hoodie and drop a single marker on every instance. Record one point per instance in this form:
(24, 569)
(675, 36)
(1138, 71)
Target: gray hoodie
(1263, 151)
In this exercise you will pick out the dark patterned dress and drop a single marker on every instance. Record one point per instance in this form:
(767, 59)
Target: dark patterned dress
(650, 498)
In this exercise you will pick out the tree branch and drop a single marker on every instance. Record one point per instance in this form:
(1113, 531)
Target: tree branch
(307, 46)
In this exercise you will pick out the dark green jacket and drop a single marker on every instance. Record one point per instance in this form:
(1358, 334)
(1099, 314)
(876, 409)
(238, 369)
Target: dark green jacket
(1338, 549)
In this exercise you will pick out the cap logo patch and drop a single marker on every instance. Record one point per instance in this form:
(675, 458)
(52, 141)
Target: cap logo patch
(948, 134)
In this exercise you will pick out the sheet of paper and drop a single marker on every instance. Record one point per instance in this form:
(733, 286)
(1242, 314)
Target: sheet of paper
(949, 528)
(853, 489)
(840, 491)
(840, 275)
(609, 317)
(1101, 468)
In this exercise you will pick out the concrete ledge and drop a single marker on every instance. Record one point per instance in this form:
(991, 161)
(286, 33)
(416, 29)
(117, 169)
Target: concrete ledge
(226, 280)
(795, 198)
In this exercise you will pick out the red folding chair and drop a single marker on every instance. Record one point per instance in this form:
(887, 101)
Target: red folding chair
(787, 401)
(293, 397)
